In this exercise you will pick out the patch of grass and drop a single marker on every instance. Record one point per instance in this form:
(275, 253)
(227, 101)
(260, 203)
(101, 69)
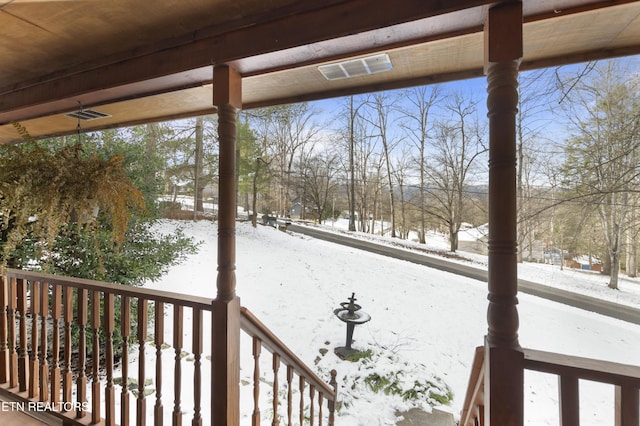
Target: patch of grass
(434, 391)
(382, 370)
(387, 384)
(431, 390)
(360, 356)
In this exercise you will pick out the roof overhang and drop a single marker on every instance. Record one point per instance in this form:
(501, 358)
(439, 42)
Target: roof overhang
(138, 63)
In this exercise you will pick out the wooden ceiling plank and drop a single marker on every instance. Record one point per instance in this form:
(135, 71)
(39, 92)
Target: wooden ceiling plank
(288, 74)
(334, 21)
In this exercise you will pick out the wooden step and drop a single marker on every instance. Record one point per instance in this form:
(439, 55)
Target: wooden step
(415, 417)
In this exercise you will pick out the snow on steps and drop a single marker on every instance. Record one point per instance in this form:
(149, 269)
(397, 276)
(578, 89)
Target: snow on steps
(415, 417)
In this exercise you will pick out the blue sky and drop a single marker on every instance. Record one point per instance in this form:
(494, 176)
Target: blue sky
(553, 125)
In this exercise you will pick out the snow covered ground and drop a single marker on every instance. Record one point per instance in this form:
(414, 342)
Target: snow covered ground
(425, 322)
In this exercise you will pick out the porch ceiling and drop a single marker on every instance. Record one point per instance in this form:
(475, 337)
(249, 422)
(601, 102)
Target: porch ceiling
(141, 61)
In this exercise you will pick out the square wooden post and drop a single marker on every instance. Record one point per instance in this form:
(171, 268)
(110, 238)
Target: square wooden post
(225, 380)
(504, 374)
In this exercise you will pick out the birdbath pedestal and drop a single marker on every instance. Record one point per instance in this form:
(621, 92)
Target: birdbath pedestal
(350, 313)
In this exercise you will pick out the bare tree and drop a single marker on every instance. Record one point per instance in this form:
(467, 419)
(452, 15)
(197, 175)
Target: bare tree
(417, 125)
(458, 142)
(320, 183)
(198, 166)
(383, 106)
(353, 130)
(531, 121)
(291, 129)
(361, 157)
(260, 173)
(373, 188)
(402, 168)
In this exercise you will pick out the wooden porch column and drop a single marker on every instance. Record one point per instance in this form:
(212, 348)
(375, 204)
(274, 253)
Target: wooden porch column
(225, 383)
(504, 374)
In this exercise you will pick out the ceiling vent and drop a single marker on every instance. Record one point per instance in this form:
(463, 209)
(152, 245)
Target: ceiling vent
(87, 114)
(356, 67)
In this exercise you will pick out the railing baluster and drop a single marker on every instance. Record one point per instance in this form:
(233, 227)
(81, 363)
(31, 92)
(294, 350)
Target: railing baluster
(289, 394)
(23, 356)
(4, 336)
(95, 356)
(68, 319)
(11, 320)
(312, 393)
(44, 364)
(34, 308)
(257, 348)
(81, 381)
(53, 297)
(58, 373)
(301, 400)
(276, 368)
(627, 409)
(568, 391)
(332, 403)
(109, 327)
(159, 340)
(56, 311)
(197, 373)
(141, 403)
(178, 326)
(125, 330)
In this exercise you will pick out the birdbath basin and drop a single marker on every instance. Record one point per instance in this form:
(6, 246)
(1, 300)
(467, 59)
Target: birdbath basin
(350, 313)
(354, 318)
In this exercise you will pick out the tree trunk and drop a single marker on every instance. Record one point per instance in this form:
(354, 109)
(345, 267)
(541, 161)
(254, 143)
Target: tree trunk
(403, 215)
(254, 201)
(632, 269)
(606, 266)
(453, 237)
(520, 190)
(198, 187)
(615, 269)
(151, 147)
(352, 188)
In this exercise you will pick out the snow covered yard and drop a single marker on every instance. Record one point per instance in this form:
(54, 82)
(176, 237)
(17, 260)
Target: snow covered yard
(425, 323)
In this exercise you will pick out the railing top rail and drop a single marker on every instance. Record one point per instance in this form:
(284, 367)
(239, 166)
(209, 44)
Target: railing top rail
(475, 391)
(255, 328)
(552, 363)
(583, 368)
(118, 289)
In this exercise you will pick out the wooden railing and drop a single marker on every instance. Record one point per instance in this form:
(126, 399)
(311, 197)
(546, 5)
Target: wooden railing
(87, 351)
(473, 408)
(263, 338)
(569, 370)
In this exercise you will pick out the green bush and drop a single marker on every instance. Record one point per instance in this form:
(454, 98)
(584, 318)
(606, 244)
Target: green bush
(142, 256)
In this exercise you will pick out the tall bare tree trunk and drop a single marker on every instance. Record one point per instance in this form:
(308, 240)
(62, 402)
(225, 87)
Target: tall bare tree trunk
(352, 168)
(198, 205)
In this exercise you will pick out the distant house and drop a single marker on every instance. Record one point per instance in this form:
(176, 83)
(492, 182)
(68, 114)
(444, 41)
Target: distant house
(586, 263)
(474, 239)
(296, 210)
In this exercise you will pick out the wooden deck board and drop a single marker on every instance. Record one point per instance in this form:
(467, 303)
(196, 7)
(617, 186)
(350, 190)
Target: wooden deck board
(12, 412)
(17, 418)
